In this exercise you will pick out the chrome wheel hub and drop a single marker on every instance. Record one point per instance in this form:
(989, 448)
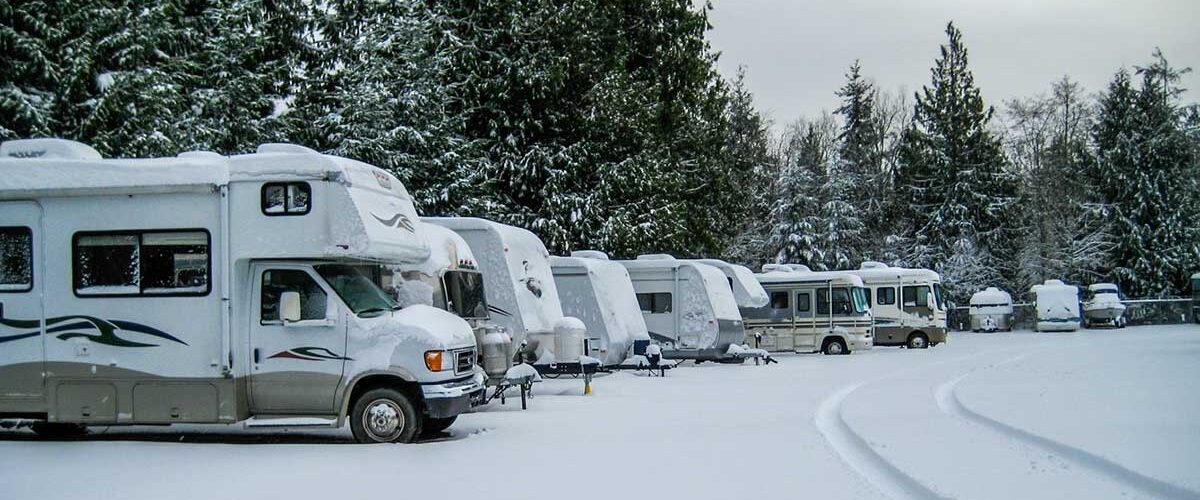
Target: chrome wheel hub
(383, 420)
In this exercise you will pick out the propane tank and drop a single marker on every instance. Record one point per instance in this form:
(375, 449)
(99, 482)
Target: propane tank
(568, 339)
(496, 347)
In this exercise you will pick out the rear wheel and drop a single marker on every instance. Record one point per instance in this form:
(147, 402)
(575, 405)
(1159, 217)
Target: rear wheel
(834, 347)
(918, 340)
(385, 415)
(59, 430)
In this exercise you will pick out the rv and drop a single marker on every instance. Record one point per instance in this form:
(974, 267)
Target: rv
(991, 310)
(450, 280)
(211, 289)
(1102, 306)
(1195, 297)
(688, 307)
(907, 305)
(598, 292)
(1057, 306)
(521, 293)
(810, 312)
(747, 291)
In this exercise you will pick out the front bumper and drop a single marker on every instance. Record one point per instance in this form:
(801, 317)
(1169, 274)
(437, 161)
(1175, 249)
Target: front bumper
(861, 342)
(448, 399)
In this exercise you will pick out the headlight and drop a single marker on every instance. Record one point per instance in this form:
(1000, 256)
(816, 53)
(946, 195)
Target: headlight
(433, 360)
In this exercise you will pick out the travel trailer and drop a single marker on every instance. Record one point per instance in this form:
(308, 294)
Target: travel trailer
(599, 292)
(688, 307)
(1057, 306)
(991, 310)
(811, 312)
(212, 289)
(1195, 297)
(747, 291)
(521, 293)
(450, 280)
(907, 304)
(1102, 306)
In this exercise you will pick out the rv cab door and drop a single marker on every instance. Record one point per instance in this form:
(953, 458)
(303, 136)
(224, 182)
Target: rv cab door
(295, 366)
(21, 282)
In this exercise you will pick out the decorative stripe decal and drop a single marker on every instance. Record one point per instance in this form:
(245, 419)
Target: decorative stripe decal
(309, 353)
(499, 311)
(94, 329)
(396, 221)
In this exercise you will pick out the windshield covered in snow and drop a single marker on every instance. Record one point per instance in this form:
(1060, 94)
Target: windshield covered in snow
(362, 296)
(465, 294)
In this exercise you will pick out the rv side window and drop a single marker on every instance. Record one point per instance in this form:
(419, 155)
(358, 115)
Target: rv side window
(841, 301)
(277, 281)
(655, 303)
(914, 296)
(16, 259)
(779, 300)
(803, 302)
(163, 263)
(286, 198)
(885, 296)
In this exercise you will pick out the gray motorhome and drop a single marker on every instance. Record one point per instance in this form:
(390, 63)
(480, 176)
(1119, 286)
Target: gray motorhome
(810, 312)
(212, 289)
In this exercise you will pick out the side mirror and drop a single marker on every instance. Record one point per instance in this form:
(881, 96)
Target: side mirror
(289, 307)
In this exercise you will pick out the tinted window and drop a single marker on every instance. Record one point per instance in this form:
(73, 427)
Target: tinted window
(277, 281)
(286, 198)
(841, 301)
(885, 296)
(16, 259)
(779, 300)
(142, 263)
(655, 303)
(803, 302)
(914, 296)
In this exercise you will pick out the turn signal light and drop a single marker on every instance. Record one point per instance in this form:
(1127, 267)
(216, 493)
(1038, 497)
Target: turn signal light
(433, 360)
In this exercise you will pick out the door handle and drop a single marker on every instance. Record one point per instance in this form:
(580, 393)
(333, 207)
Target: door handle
(256, 355)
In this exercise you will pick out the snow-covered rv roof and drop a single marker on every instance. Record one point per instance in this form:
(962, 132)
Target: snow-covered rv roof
(789, 276)
(447, 250)
(1103, 287)
(516, 271)
(746, 290)
(877, 271)
(605, 300)
(374, 212)
(991, 296)
(723, 302)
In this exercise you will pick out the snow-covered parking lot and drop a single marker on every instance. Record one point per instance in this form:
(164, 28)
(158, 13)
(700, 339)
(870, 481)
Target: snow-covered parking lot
(1094, 414)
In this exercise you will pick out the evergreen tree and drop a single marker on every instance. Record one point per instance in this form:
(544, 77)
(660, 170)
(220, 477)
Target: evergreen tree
(757, 171)
(796, 214)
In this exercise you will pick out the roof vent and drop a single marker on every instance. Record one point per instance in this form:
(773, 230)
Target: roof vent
(200, 155)
(284, 148)
(776, 268)
(800, 268)
(656, 256)
(870, 264)
(60, 149)
(589, 254)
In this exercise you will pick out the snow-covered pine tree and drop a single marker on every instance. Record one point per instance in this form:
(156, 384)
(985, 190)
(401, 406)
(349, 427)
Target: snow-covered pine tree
(748, 149)
(853, 195)
(29, 70)
(796, 213)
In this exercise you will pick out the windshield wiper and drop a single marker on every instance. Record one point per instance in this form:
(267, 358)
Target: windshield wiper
(373, 310)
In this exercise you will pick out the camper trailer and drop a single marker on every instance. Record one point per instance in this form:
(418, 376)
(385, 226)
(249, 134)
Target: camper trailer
(211, 289)
(521, 293)
(1057, 306)
(747, 291)
(810, 312)
(907, 305)
(598, 292)
(991, 310)
(1195, 297)
(450, 280)
(1102, 306)
(688, 307)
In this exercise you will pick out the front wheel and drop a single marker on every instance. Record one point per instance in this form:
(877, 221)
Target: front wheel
(918, 341)
(385, 415)
(835, 347)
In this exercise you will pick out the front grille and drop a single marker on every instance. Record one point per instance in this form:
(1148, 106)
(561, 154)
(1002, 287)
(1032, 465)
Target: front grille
(464, 361)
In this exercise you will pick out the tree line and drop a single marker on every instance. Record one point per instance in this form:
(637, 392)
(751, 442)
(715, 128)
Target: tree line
(606, 125)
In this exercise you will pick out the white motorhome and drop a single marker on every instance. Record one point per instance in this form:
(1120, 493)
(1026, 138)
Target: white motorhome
(212, 289)
(688, 307)
(810, 312)
(907, 304)
(1057, 305)
(599, 292)
(747, 291)
(991, 310)
(521, 293)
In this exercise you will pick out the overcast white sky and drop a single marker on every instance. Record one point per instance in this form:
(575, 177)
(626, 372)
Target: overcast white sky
(797, 51)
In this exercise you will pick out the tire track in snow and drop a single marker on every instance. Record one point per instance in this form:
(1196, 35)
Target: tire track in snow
(949, 402)
(855, 451)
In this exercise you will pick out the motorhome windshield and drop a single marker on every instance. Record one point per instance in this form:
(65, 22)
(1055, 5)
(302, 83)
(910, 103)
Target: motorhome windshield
(362, 296)
(859, 295)
(938, 297)
(465, 294)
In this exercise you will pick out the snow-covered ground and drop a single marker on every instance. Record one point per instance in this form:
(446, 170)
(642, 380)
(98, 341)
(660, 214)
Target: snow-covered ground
(1093, 414)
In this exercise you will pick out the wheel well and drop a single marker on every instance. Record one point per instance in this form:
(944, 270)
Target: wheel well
(410, 389)
(831, 339)
(916, 333)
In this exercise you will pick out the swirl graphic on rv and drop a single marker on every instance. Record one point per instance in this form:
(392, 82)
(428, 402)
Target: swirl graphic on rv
(309, 354)
(397, 221)
(96, 330)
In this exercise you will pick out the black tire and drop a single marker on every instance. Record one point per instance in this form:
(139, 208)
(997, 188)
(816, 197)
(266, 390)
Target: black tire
(917, 340)
(58, 430)
(834, 347)
(436, 425)
(385, 415)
